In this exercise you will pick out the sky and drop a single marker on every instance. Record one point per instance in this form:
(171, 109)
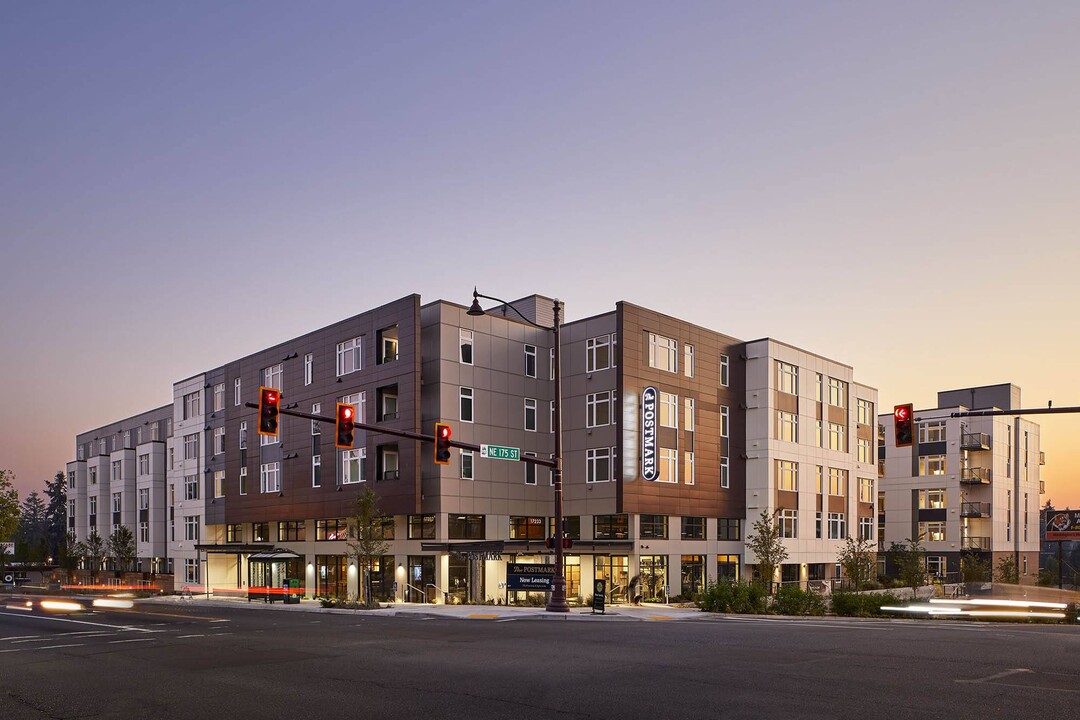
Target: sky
(891, 185)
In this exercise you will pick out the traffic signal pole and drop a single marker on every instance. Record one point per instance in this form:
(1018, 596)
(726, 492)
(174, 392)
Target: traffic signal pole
(400, 433)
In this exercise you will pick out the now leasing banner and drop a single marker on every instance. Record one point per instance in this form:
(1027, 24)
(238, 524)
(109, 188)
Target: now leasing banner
(522, 576)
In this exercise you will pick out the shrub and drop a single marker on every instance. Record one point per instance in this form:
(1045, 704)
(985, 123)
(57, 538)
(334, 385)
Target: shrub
(728, 596)
(793, 600)
(861, 605)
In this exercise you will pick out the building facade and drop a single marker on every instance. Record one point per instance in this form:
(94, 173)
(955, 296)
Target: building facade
(675, 438)
(967, 485)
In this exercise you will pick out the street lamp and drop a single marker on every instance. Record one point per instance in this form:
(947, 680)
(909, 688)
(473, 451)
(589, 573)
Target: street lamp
(557, 601)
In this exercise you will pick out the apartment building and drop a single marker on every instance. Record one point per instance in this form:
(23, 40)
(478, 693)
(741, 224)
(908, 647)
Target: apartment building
(966, 485)
(675, 438)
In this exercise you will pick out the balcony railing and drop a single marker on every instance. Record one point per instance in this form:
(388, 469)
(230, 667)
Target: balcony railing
(979, 544)
(975, 441)
(1042, 487)
(975, 509)
(975, 476)
(1042, 457)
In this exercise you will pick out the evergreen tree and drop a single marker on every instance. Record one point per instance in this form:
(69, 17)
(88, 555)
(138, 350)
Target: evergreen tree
(56, 516)
(32, 529)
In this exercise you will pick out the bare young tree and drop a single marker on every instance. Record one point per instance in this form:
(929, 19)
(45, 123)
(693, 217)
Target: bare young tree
(768, 547)
(366, 543)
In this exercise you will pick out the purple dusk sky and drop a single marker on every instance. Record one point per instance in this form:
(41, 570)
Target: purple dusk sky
(893, 185)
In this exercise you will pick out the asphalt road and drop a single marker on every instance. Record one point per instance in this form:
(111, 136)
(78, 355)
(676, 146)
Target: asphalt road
(169, 661)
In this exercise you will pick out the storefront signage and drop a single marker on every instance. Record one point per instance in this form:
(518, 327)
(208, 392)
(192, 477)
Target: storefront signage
(1063, 525)
(599, 595)
(649, 470)
(476, 554)
(522, 576)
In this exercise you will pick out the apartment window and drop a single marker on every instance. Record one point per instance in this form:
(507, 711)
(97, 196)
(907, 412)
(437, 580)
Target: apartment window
(1026, 516)
(291, 530)
(837, 526)
(191, 405)
(260, 532)
(316, 471)
(669, 410)
(234, 533)
(191, 527)
(598, 465)
(654, 527)
(144, 469)
(127, 440)
(530, 470)
(932, 531)
(866, 528)
(693, 528)
(352, 466)
(837, 392)
(144, 498)
(724, 370)
(387, 345)
(866, 490)
(688, 360)
(191, 487)
(465, 341)
(82, 452)
(219, 483)
(243, 436)
(787, 426)
(787, 378)
(838, 437)
(243, 481)
(219, 440)
(530, 414)
(838, 482)
(688, 467)
(1008, 514)
(144, 531)
(358, 401)
(331, 529)
(865, 412)
(530, 361)
(663, 353)
(191, 446)
(725, 421)
(935, 565)
(865, 451)
(688, 414)
(101, 447)
(598, 353)
(465, 527)
(467, 465)
(191, 570)
(138, 436)
(348, 356)
(932, 499)
(932, 432)
(116, 502)
(92, 511)
(387, 460)
(788, 521)
(787, 475)
(387, 403)
(236, 391)
(526, 528)
(270, 477)
(309, 367)
(598, 409)
(71, 479)
(219, 397)
(115, 470)
(729, 529)
(611, 527)
(669, 469)
(931, 464)
(385, 528)
(421, 527)
(465, 410)
(725, 473)
(93, 476)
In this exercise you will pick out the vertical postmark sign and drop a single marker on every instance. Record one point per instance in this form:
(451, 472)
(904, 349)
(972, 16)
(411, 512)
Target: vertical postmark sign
(649, 469)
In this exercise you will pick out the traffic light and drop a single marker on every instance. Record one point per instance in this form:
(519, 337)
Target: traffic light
(567, 543)
(550, 543)
(343, 426)
(904, 425)
(442, 444)
(269, 400)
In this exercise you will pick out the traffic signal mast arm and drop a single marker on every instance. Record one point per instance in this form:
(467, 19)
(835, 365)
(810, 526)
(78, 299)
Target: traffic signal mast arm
(1030, 411)
(399, 433)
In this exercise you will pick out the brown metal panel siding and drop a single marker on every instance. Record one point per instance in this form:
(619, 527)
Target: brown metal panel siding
(865, 432)
(787, 500)
(298, 499)
(837, 415)
(837, 504)
(866, 509)
(786, 402)
(705, 496)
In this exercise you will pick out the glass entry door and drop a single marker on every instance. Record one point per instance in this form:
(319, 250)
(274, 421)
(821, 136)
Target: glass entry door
(421, 579)
(614, 569)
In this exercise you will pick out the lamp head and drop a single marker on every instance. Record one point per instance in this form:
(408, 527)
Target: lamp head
(475, 310)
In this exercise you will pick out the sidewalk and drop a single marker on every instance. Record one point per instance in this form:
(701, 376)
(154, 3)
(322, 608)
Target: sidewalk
(650, 611)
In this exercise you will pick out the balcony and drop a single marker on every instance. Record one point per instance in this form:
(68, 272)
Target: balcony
(975, 509)
(1042, 487)
(975, 476)
(977, 544)
(975, 441)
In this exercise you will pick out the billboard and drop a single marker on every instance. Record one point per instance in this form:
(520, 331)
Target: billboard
(1062, 524)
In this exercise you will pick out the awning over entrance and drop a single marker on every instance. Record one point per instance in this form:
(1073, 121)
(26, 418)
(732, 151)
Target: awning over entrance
(499, 547)
(235, 548)
(275, 555)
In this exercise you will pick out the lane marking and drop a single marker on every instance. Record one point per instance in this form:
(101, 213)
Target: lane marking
(15, 650)
(20, 637)
(114, 642)
(53, 647)
(181, 637)
(16, 642)
(996, 676)
(81, 622)
(165, 614)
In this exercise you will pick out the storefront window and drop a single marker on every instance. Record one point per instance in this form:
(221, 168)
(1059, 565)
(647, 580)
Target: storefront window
(693, 574)
(653, 577)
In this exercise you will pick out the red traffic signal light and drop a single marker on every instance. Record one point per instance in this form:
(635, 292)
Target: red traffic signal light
(269, 401)
(442, 444)
(550, 543)
(567, 543)
(904, 425)
(343, 426)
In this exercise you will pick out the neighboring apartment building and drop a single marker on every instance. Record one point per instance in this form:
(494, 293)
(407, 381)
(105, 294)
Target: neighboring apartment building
(966, 485)
(675, 437)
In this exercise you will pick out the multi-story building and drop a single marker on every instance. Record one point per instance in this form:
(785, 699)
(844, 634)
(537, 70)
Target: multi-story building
(966, 485)
(675, 437)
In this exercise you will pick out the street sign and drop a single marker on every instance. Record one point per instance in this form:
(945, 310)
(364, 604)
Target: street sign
(498, 452)
(599, 593)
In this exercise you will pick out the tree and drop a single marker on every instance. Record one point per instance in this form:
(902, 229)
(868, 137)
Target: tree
(973, 569)
(56, 515)
(907, 558)
(768, 547)
(93, 552)
(856, 559)
(9, 506)
(32, 528)
(121, 547)
(73, 554)
(366, 544)
(1007, 571)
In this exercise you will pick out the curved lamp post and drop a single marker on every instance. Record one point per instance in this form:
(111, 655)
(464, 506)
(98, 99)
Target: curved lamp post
(557, 601)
